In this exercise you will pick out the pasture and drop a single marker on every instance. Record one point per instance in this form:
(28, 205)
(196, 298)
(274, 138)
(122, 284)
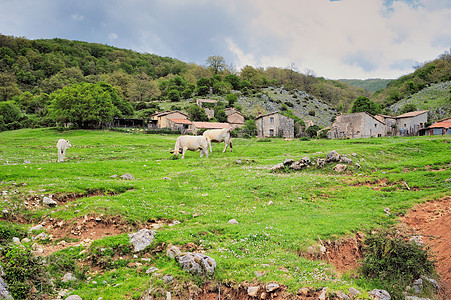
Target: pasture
(202, 195)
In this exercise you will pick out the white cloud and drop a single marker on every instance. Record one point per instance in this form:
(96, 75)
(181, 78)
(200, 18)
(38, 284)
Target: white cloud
(77, 17)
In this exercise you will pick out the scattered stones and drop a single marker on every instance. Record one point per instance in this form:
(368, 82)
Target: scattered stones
(252, 291)
(332, 156)
(113, 176)
(353, 293)
(303, 291)
(270, 203)
(358, 166)
(278, 167)
(168, 278)
(232, 221)
(342, 295)
(379, 295)
(142, 239)
(259, 274)
(345, 160)
(323, 294)
(197, 263)
(418, 286)
(49, 202)
(387, 211)
(4, 294)
(74, 297)
(5, 211)
(68, 277)
(42, 236)
(151, 270)
(270, 287)
(320, 162)
(431, 281)
(417, 240)
(288, 162)
(173, 252)
(340, 168)
(127, 176)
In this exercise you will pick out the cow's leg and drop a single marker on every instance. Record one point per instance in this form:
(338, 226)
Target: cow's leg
(59, 155)
(230, 145)
(183, 152)
(209, 144)
(206, 152)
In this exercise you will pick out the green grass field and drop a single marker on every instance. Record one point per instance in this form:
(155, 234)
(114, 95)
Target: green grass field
(203, 194)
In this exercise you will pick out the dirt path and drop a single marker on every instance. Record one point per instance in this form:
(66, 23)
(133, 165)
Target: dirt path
(432, 221)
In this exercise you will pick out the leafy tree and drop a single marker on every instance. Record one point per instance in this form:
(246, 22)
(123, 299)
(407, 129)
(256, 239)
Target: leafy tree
(85, 105)
(231, 99)
(8, 86)
(203, 90)
(220, 115)
(408, 108)
(233, 80)
(216, 63)
(174, 95)
(312, 130)
(364, 104)
(250, 127)
(197, 113)
(10, 116)
(125, 108)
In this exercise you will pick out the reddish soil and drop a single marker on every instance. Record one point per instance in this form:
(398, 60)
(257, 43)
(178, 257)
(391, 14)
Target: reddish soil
(432, 221)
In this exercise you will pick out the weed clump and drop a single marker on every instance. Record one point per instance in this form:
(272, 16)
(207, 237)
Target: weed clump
(395, 261)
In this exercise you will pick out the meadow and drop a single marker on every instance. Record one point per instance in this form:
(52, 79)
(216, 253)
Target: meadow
(307, 206)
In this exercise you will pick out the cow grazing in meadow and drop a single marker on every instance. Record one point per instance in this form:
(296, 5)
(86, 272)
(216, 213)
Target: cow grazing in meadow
(219, 135)
(62, 145)
(192, 143)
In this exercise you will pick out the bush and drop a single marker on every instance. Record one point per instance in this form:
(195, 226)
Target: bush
(394, 260)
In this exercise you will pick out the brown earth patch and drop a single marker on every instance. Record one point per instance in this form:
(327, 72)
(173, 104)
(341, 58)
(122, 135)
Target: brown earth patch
(384, 183)
(432, 221)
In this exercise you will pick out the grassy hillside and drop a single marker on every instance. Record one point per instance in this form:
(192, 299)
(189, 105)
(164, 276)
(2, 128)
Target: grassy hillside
(202, 195)
(370, 85)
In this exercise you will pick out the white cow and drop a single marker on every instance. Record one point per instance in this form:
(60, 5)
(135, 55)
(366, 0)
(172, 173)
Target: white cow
(62, 145)
(219, 135)
(192, 143)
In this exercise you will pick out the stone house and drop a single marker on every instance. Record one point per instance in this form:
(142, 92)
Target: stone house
(209, 125)
(274, 124)
(234, 117)
(183, 125)
(442, 127)
(356, 125)
(160, 120)
(410, 123)
(390, 124)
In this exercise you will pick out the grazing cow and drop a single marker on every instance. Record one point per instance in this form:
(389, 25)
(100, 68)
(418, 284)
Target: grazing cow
(192, 143)
(62, 145)
(219, 135)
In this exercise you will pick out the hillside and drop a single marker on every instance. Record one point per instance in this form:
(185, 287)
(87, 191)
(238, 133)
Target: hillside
(370, 85)
(436, 98)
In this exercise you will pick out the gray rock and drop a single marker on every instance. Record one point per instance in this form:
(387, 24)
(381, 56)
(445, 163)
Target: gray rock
(271, 287)
(173, 252)
(127, 176)
(306, 160)
(151, 270)
(252, 291)
(342, 295)
(277, 168)
(431, 281)
(197, 263)
(74, 297)
(232, 221)
(353, 293)
(379, 295)
(35, 228)
(168, 278)
(345, 160)
(42, 236)
(387, 211)
(332, 156)
(4, 294)
(68, 277)
(323, 294)
(16, 240)
(113, 176)
(340, 168)
(418, 286)
(415, 298)
(5, 211)
(288, 162)
(49, 202)
(141, 239)
(320, 162)
(298, 165)
(358, 166)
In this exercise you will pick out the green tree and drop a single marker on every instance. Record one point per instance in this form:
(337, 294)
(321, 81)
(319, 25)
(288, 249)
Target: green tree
(8, 86)
(220, 115)
(10, 116)
(197, 113)
(312, 130)
(85, 105)
(233, 80)
(216, 63)
(364, 104)
(231, 99)
(250, 128)
(408, 108)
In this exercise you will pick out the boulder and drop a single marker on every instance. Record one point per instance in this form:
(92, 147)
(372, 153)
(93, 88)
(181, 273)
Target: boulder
(320, 162)
(340, 168)
(127, 176)
(288, 162)
(332, 156)
(232, 221)
(252, 291)
(35, 228)
(4, 294)
(353, 293)
(431, 281)
(379, 295)
(345, 160)
(68, 277)
(173, 252)
(141, 239)
(277, 168)
(74, 297)
(49, 202)
(271, 287)
(197, 263)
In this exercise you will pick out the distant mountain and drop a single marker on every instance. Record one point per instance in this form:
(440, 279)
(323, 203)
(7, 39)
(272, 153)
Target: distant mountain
(370, 85)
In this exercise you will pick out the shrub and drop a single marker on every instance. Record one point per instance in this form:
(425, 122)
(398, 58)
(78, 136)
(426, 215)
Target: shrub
(394, 260)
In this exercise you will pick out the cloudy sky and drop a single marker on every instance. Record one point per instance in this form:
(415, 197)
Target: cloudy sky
(332, 38)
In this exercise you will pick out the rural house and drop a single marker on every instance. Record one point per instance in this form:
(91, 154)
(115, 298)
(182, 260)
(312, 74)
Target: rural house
(410, 123)
(442, 127)
(234, 117)
(209, 125)
(356, 125)
(160, 119)
(390, 124)
(182, 125)
(274, 124)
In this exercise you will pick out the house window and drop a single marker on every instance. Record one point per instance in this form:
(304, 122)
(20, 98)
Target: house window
(271, 132)
(271, 121)
(375, 125)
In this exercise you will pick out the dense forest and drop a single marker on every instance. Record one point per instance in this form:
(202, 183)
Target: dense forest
(39, 78)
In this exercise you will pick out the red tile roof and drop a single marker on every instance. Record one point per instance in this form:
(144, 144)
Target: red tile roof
(181, 121)
(412, 114)
(445, 123)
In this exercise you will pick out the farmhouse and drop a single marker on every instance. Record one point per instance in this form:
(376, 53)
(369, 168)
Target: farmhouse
(234, 117)
(160, 120)
(390, 124)
(208, 125)
(182, 125)
(442, 127)
(410, 123)
(356, 125)
(274, 124)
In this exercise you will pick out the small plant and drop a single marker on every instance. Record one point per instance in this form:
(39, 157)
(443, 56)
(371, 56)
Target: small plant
(391, 258)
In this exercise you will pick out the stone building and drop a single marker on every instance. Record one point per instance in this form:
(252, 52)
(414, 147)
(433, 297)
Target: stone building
(183, 125)
(160, 120)
(274, 124)
(209, 125)
(390, 124)
(442, 127)
(234, 117)
(410, 123)
(357, 125)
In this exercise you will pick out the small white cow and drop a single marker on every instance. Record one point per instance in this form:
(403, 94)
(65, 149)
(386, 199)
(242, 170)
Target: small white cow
(192, 143)
(219, 135)
(62, 145)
